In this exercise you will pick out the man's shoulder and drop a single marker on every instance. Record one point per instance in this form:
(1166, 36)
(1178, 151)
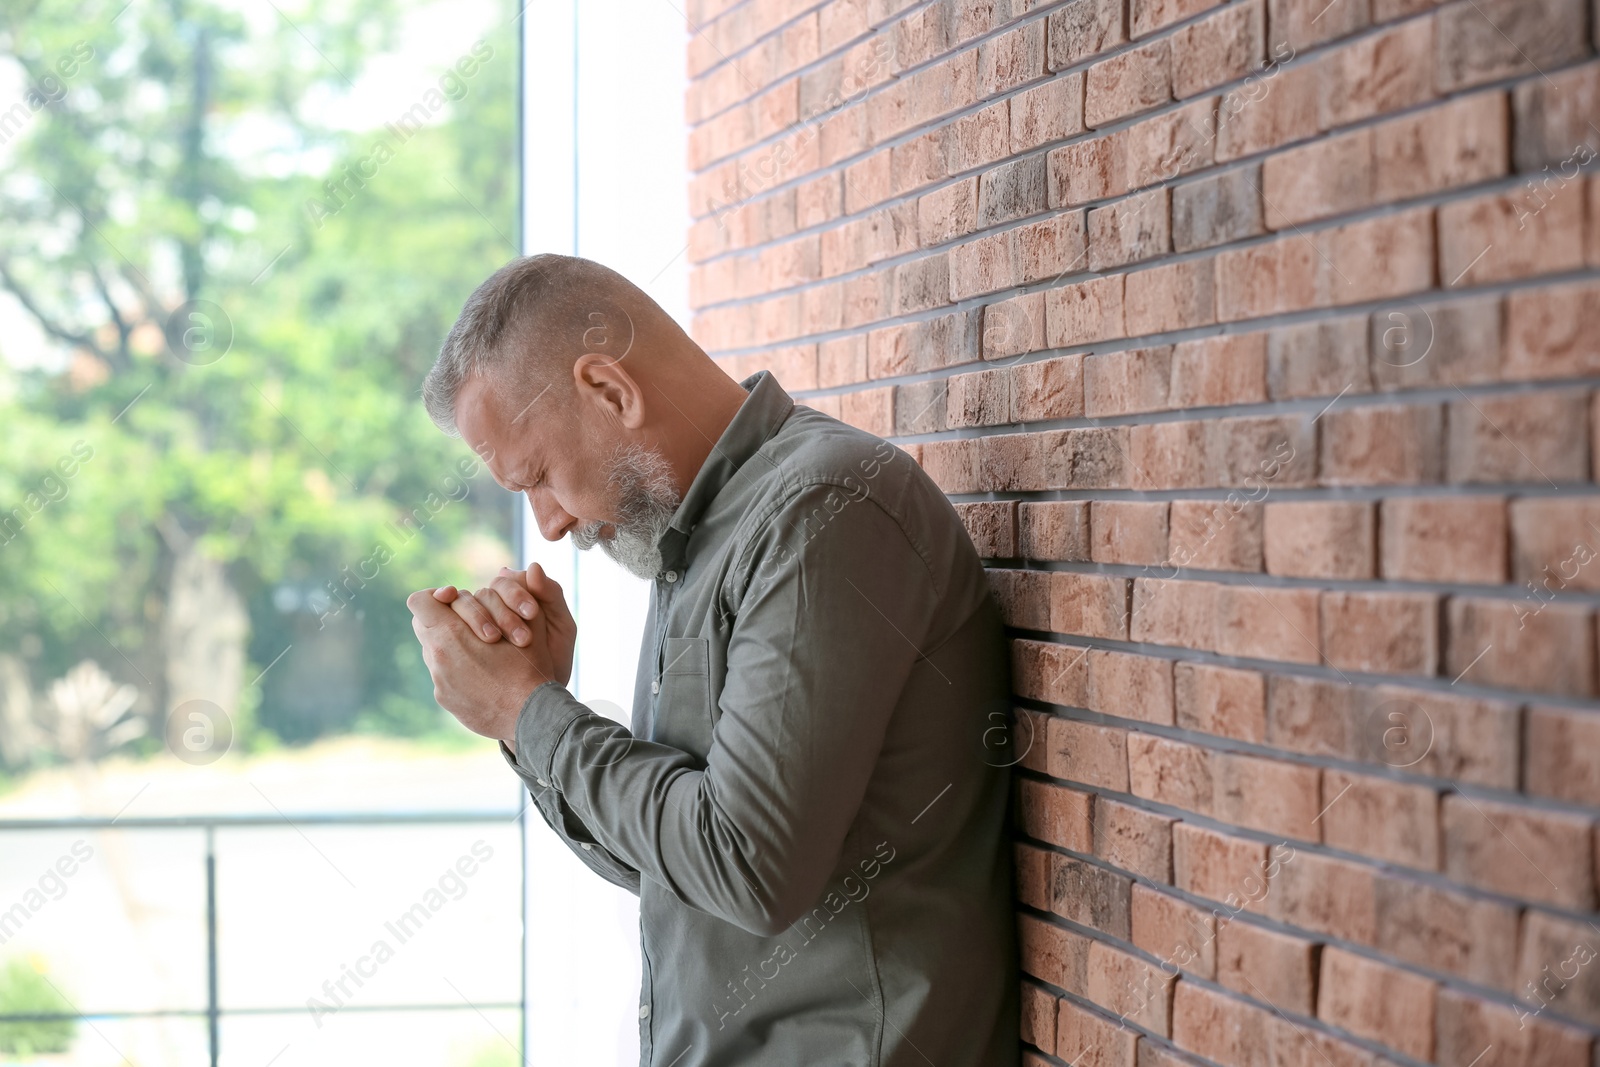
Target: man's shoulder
(814, 451)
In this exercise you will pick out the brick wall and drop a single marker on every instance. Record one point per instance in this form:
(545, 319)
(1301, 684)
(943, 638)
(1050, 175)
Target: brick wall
(1257, 343)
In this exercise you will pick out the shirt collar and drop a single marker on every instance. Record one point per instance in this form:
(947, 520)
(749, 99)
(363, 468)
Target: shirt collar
(758, 418)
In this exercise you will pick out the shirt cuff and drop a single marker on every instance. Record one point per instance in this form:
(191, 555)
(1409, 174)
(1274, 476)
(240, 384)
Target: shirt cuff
(545, 717)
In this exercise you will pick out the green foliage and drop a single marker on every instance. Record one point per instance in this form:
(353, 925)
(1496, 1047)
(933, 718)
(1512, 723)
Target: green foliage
(24, 991)
(186, 158)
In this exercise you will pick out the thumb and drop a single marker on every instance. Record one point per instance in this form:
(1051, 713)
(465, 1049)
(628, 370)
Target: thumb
(547, 591)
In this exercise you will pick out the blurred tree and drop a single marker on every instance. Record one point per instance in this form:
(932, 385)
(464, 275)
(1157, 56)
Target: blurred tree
(222, 455)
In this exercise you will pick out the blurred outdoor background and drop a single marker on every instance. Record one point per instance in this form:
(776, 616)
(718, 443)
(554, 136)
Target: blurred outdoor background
(232, 237)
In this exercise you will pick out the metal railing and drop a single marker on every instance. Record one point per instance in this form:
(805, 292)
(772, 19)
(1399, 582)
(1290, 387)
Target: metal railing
(210, 824)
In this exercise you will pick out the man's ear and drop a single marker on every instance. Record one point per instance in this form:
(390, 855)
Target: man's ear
(601, 380)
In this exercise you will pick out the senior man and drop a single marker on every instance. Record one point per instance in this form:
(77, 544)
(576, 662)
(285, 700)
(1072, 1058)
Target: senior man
(811, 800)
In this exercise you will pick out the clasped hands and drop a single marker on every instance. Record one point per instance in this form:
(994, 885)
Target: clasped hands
(488, 650)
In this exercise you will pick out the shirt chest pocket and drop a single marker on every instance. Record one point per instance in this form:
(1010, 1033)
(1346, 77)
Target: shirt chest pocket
(683, 703)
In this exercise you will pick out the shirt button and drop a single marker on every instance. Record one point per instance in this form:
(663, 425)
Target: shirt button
(644, 1011)
(542, 782)
(670, 576)
(655, 686)
(585, 846)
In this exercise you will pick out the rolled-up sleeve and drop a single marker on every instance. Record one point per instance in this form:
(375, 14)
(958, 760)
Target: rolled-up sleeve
(829, 602)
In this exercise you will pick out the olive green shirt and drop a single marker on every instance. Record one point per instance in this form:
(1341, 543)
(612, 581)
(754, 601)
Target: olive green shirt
(811, 803)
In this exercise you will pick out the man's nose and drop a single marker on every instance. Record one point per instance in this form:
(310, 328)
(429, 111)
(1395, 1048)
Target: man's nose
(553, 522)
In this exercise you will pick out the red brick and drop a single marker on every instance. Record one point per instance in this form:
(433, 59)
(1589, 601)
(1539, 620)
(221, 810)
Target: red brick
(1126, 531)
(1047, 389)
(1444, 539)
(1421, 345)
(1029, 737)
(1153, 1055)
(1560, 759)
(1297, 25)
(1380, 258)
(1268, 623)
(1327, 358)
(1089, 605)
(1219, 1027)
(1263, 964)
(1439, 734)
(1500, 38)
(1461, 142)
(1128, 83)
(1273, 796)
(1218, 209)
(1217, 371)
(1533, 437)
(1334, 176)
(1445, 930)
(1010, 59)
(1519, 851)
(1170, 772)
(1221, 48)
(1382, 444)
(947, 213)
(1220, 700)
(1520, 645)
(1164, 146)
(953, 465)
(1378, 74)
(1135, 840)
(1551, 123)
(1320, 539)
(1147, 16)
(1130, 988)
(1013, 327)
(1083, 28)
(979, 399)
(1511, 235)
(1022, 596)
(1229, 870)
(991, 526)
(871, 410)
(1130, 686)
(1121, 383)
(1468, 1025)
(1038, 1016)
(1130, 230)
(1041, 670)
(1054, 954)
(1221, 535)
(1378, 1002)
(1384, 633)
(1086, 1039)
(1059, 816)
(1180, 935)
(1089, 895)
(1178, 296)
(1555, 966)
(1324, 895)
(1084, 312)
(1054, 529)
(1278, 277)
(1377, 817)
(1251, 119)
(1173, 612)
(1549, 331)
(1045, 113)
(1033, 878)
(1084, 170)
(1090, 754)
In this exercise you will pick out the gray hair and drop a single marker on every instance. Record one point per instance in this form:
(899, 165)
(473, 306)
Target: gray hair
(532, 316)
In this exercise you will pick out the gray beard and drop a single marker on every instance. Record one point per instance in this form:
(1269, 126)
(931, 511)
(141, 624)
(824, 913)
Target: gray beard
(647, 501)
